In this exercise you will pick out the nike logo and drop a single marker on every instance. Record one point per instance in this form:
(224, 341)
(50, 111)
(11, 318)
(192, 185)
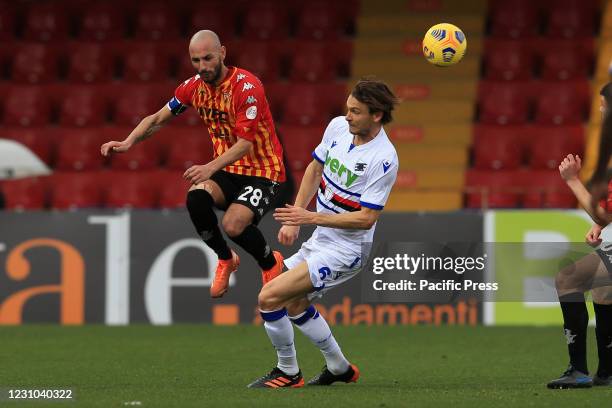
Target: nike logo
(386, 166)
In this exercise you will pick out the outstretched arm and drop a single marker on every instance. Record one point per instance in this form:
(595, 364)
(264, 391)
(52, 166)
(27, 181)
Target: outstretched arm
(569, 169)
(142, 131)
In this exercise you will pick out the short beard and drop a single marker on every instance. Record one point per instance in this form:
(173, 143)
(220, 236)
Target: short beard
(215, 77)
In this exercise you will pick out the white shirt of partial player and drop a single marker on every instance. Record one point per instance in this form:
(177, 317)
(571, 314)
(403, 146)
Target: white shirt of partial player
(362, 174)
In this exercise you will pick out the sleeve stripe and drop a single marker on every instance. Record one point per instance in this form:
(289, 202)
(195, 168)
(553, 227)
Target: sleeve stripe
(372, 206)
(314, 155)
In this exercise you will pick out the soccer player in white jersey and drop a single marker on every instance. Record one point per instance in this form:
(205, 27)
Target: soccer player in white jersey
(353, 171)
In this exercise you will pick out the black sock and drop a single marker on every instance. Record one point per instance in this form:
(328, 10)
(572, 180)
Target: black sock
(575, 322)
(200, 205)
(603, 331)
(253, 241)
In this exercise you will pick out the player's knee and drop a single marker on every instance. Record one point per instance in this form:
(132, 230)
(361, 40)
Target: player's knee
(268, 299)
(233, 226)
(297, 307)
(197, 199)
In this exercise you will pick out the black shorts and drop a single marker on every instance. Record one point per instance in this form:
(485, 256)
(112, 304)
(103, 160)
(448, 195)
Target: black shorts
(257, 193)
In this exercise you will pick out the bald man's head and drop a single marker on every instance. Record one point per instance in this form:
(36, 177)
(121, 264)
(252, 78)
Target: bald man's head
(207, 56)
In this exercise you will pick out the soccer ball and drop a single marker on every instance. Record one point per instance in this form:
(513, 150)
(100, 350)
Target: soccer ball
(444, 44)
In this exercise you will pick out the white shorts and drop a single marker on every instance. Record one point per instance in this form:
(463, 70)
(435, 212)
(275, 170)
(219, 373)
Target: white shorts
(328, 267)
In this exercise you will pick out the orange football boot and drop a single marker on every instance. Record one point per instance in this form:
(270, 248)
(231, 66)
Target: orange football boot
(273, 272)
(222, 275)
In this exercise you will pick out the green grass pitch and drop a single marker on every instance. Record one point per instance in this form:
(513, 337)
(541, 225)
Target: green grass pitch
(207, 366)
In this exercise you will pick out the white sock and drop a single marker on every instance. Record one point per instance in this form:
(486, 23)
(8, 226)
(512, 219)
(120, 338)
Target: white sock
(280, 332)
(314, 326)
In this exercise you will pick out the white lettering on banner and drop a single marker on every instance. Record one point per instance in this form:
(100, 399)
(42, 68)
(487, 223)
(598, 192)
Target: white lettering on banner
(158, 287)
(117, 308)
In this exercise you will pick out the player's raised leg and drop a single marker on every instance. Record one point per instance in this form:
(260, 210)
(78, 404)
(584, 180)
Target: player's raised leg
(201, 200)
(239, 223)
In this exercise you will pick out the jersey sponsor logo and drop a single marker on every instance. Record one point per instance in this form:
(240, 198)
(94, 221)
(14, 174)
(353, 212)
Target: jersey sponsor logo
(247, 86)
(386, 164)
(251, 113)
(340, 169)
(251, 100)
(240, 77)
(213, 114)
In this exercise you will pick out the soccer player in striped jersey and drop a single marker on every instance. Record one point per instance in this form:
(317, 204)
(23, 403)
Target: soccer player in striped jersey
(353, 171)
(244, 177)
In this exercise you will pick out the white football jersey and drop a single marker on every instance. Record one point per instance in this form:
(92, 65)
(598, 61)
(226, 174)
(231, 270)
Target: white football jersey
(353, 177)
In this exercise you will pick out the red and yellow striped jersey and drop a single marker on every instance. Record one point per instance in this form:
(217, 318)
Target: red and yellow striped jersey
(237, 108)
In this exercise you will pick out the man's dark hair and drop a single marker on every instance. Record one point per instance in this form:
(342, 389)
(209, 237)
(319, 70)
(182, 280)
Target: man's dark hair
(377, 96)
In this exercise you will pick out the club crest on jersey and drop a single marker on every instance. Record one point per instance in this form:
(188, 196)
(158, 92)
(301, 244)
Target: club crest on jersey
(247, 86)
(341, 170)
(251, 113)
(251, 100)
(227, 95)
(360, 167)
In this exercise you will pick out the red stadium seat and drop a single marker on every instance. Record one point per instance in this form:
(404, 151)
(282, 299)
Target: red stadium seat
(276, 93)
(570, 21)
(102, 21)
(173, 189)
(145, 61)
(156, 21)
(507, 60)
(131, 189)
(492, 189)
(218, 18)
(37, 139)
(261, 58)
(566, 59)
(26, 106)
(514, 19)
(562, 103)
(35, 63)
(46, 21)
(7, 21)
(187, 149)
(318, 20)
(503, 104)
(83, 106)
(498, 148)
(310, 104)
(549, 145)
(24, 194)
(298, 143)
(69, 190)
(79, 150)
(90, 62)
(546, 189)
(312, 62)
(142, 156)
(137, 102)
(266, 20)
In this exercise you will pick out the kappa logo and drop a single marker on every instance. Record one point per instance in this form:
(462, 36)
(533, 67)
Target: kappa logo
(240, 77)
(251, 99)
(247, 86)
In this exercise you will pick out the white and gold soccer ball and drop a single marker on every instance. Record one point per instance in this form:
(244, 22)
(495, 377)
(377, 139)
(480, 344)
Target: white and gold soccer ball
(444, 44)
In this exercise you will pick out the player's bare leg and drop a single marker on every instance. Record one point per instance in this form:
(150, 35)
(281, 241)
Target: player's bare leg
(238, 225)
(201, 200)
